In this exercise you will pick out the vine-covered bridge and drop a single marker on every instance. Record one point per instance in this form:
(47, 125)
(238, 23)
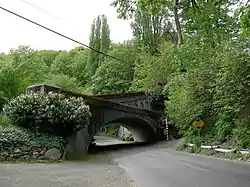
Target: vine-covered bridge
(138, 112)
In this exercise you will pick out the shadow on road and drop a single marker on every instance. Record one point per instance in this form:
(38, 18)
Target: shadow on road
(96, 149)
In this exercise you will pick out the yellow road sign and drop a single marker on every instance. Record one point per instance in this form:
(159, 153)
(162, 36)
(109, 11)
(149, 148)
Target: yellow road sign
(195, 124)
(198, 123)
(165, 132)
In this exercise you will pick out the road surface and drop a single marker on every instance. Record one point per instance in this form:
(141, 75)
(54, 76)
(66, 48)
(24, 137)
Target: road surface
(105, 141)
(159, 165)
(149, 165)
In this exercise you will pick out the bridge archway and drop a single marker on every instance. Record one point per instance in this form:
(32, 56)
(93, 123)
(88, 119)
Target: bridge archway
(140, 129)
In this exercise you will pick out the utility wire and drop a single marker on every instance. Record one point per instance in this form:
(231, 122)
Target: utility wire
(51, 30)
(35, 6)
(40, 9)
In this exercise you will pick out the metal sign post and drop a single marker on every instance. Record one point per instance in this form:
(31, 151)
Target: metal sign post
(198, 124)
(165, 131)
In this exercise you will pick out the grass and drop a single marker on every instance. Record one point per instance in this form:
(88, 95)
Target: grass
(211, 152)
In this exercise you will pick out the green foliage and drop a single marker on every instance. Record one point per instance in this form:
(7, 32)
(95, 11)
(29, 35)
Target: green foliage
(241, 135)
(47, 56)
(64, 81)
(63, 63)
(208, 21)
(153, 71)
(23, 67)
(19, 69)
(80, 68)
(3, 100)
(126, 8)
(115, 76)
(13, 136)
(110, 130)
(244, 14)
(48, 113)
(151, 30)
(216, 88)
(99, 40)
(10, 82)
(207, 75)
(3, 120)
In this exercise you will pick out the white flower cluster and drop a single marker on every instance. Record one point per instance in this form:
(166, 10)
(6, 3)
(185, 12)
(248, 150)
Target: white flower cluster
(50, 113)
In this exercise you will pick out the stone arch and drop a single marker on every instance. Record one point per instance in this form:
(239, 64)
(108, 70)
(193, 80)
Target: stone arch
(147, 105)
(140, 128)
(136, 105)
(141, 125)
(141, 104)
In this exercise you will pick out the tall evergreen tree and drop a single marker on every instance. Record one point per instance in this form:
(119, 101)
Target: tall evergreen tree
(99, 40)
(105, 37)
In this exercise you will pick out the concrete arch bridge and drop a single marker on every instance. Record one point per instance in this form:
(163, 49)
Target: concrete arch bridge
(135, 111)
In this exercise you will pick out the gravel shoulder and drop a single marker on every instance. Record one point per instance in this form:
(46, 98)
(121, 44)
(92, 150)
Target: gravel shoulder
(76, 174)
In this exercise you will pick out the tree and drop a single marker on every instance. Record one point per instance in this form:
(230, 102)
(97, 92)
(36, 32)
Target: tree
(48, 56)
(80, 65)
(209, 22)
(10, 82)
(127, 9)
(64, 81)
(150, 30)
(244, 15)
(177, 22)
(209, 19)
(105, 37)
(115, 76)
(100, 41)
(196, 53)
(20, 69)
(63, 64)
(153, 72)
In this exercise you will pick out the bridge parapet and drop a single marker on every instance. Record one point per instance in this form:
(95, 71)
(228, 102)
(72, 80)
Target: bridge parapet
(93, 100)
(137, 99)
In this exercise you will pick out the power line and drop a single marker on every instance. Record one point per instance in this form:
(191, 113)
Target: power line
(41, 9)
(64, 36)
(67, 21)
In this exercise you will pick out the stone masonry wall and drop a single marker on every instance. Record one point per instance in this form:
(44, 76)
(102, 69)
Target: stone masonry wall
(29, 154)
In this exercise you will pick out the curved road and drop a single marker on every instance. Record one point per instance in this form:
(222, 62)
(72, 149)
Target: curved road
(167, 168)
(150, 165)
(159, 165)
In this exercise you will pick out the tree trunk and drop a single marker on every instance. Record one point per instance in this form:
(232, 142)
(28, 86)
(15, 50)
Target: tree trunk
(177, 22)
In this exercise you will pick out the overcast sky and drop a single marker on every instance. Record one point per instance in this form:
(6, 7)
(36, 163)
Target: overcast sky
(70, 17)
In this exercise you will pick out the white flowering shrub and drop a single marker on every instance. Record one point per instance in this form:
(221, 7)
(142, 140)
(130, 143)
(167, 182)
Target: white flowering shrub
(48, 113)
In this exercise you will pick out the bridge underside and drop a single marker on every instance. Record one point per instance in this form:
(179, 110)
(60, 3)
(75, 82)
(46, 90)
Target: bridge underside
(142, 127)
(141, 131)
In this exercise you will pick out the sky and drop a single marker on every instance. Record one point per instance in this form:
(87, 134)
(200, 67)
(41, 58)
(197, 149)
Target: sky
(72, 18)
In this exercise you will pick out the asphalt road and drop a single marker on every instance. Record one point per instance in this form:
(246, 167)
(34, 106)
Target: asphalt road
(105, 141)
(146, 165)
(161, 166)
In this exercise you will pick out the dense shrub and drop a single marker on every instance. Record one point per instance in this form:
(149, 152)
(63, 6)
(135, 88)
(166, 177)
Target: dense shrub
(3, 100)
(64, 81)
(48, 113)
(13, 136)
(217, 88)
(3, 120)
